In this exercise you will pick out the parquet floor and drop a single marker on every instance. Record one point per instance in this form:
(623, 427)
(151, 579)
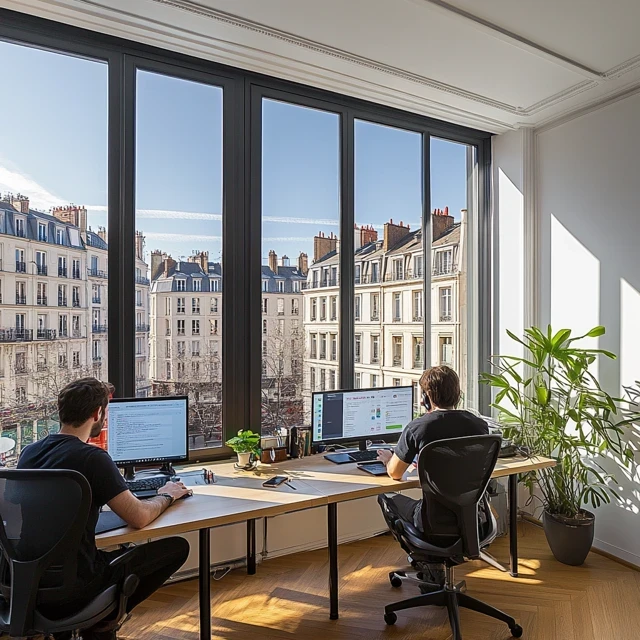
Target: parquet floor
(288, 599)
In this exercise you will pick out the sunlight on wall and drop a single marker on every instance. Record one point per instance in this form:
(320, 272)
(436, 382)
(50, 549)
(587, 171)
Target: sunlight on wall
(629, 334)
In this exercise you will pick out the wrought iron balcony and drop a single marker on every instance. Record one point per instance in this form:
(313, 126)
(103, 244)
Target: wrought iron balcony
(98, 273)
(62, 272)
(16, 335)
(21, 267)
(99, 328)
(46, 334)
(42, 269)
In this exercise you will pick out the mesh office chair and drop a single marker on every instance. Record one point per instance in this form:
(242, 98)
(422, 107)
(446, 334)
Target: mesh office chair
(43, 514)
(454, 475)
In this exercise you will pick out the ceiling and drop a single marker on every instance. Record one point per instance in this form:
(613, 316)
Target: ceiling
(494, 65)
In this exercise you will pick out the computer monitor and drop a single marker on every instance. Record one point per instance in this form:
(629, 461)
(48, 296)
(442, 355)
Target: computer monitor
(142, 431)
(361, 414)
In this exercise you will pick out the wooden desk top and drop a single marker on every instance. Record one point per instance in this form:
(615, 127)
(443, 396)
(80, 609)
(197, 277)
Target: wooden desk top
(237, 496)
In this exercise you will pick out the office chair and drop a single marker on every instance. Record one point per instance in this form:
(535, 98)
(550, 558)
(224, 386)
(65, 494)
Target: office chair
(454, 475)
(43, 514)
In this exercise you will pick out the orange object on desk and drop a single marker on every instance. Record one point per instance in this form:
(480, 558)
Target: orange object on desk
(101, 439)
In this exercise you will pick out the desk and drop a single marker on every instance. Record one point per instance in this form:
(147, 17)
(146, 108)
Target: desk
(238, 496)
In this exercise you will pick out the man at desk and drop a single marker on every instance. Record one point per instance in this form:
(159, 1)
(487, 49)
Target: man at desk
(82, 407)
(441, 395)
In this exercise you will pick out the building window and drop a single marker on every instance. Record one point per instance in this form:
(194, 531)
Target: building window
(21, 293)
(215, 285)
(138, 298)
(314, 309)
(41, 298)
(195, 348)
(334, 307)
(332, 379)
(75, 269)
(59, 236)
(41, 263)
(323, 346)
(295, 307)
(398, 269)
(75, 326)
(280, 286)
(180, 305)
(357, 347)
(312, 379)
(20, 227)
(264, 305)
(295, 285)
(181, 285)
(445, 304)
(358, 380)
(446, 350)
(75, 296)
(76, 359)
(195, 327)
(397, 382)
(168, 367)
(375, 349)
(214, 305)
(264, 327)
(42, 232)
(417, 267)
(280, 306)
(62, 295)
(397, 307)
(323, 308)
(62, 267)
(417, 306)
(418, 352)
(197, 284)
(280, 326)
(374, 380)
(375, 272)
(357, 306)
(181, 327)
(195, 306)
(323, 380)
(357, 272)
(63, 326)
(167, 348)
(444, 262)
(265, 285)
(334, 347)
(167, 306)
(314, 345)
(375, 306)
(182, 349)
(397, 351)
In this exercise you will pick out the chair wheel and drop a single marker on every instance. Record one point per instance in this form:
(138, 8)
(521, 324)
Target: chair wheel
(395, 580)
(390, 618)
(516, 631)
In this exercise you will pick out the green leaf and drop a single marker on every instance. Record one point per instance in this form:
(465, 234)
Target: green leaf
(596, 332)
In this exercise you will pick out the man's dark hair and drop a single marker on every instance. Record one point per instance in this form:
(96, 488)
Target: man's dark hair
(442, 385)
(78, 401)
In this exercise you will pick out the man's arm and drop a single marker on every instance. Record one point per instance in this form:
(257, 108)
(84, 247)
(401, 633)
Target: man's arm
(395, 467)
(139, 513)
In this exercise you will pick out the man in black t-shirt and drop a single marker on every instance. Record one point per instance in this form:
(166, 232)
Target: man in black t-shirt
(441, 389)
(82, 407)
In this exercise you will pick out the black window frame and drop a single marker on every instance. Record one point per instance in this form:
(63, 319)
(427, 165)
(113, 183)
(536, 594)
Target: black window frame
(243, 92)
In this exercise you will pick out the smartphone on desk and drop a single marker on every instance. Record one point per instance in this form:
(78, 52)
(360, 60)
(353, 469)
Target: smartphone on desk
(276, 481)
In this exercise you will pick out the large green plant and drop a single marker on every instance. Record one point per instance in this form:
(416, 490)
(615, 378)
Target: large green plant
(553, 405)
(245, 442)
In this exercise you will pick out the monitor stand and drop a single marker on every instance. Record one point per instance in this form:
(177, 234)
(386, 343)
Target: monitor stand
(362, 445)
(166, 470)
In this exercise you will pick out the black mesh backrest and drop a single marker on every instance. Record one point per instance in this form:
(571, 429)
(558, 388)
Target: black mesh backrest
(43, 514)
(454, 475)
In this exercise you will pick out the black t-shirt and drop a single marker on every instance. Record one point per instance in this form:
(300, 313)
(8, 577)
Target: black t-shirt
(61, 451)
(432, 517)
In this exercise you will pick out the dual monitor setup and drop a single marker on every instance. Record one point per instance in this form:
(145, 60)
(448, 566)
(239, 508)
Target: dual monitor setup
(147, 431)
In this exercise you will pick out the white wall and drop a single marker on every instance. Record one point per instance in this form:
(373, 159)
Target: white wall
(589, 209)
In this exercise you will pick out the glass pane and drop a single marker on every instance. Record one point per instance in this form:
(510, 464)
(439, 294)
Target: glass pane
(178, 276)
(300, 295)
(451, 173)
(53, 254)
(389, 270)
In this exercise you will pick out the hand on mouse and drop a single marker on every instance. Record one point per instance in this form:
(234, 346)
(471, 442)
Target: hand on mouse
(176, 490)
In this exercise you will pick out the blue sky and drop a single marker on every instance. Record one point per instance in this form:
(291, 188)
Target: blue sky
(53, 149)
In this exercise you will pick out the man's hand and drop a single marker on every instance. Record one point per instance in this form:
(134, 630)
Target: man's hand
(176, 490)
(385, 455)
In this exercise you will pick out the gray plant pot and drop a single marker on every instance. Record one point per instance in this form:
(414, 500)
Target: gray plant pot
(570, 539)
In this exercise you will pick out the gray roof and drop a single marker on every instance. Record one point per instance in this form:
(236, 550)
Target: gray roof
(286, 274)
(189, 272)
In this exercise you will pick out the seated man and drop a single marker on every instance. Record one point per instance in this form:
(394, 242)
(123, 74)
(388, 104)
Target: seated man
(82, 408)
(441, 393)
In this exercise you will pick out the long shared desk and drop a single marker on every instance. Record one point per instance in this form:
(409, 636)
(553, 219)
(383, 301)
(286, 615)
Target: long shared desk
(238, 496)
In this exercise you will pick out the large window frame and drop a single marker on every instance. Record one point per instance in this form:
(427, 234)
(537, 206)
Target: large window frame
(243, 93)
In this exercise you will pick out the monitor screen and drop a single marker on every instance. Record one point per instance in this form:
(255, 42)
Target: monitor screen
(144, 430)
(361, 413)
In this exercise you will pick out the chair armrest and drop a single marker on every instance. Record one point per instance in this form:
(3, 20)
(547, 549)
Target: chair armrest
(123, 558)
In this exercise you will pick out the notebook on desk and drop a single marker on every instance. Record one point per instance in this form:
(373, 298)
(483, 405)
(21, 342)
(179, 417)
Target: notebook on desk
(108, 521)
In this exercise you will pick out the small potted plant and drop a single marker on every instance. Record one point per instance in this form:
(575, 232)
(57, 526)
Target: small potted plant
(246, 445)
(552, 405)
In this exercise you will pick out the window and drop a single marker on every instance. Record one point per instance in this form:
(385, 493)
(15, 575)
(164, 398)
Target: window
(418, 352)
(195, 327)
(76, 359)
(312, 378)
(374, 380)
(63, 327)
(445, 304)
(280, 327)
(181, 344)
(357, 348)
(323, 346)
(197, 284)
(280, 306)
(180, 327)
(397, 351)
(332, 379)
(265, 285)
(314, 346)
(375, 272)
(334, 308)
(375, 306)
(417, 306)
(75, 296)
(280, 286)
(75, 269)
(295, 307)
(214, 305)
(396, 382)
(323, 308)
(375, 349)
(42, 232)
(41, 298)
(264, 327)
(59, 236)
(213, 325)
(181, 285)
(180, 305)
(21, 292)
(41, 263)
(21, 266)
(195, 348)
(167, 306)
(357, 306)
(357, 380)
(315, 279)
(446, 350)
(62, 267)
(20, 227)
(357, 272)
(264, 305)
(417, 267)
(444, 262)
(397, 307)
(62, 295)
(398, 269)
(95, 294)
(334, 347)
(314, 309)
(75, 327)
(139, 350)
(323, 380)
(138, 298)
(195, 306)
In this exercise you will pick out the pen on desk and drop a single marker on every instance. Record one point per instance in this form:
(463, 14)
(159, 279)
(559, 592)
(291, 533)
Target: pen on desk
(288, 483)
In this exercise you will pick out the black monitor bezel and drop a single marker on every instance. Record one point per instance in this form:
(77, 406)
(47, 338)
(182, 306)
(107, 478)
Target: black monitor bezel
(151, 461)
(392, 437)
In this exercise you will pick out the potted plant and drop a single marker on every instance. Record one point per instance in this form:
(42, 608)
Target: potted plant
(552, 405)
(246, 444)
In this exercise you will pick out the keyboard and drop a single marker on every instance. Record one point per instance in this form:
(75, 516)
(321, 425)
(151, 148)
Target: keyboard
(147, 484)
(363, 456)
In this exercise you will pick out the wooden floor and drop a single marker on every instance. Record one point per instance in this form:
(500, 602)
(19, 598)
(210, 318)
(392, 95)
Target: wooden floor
(288, 599)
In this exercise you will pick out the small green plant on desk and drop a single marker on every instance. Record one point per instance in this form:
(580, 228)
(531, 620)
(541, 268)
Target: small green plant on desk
(552, 405)
(246, 445)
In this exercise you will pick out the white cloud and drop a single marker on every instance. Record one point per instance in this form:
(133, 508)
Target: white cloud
(179, 237)
(39, 196)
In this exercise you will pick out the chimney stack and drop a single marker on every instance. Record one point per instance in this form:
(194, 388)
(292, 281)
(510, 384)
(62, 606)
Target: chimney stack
(72, 214)
(364, 235)
(139, 245)
(322, 245)
(303, 264)
(441, 222)
(102, 233)
(285, 261)
(169, 263)
(157, 259)
(20, 203)
(201, 258)
(393, 233)
(273, 261)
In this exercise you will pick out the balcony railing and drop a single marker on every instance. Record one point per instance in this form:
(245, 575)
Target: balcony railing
(41, 366)
(46, 334)
(16, 335)
(20, 233)
(144, 328)
(41, 269)
(99, 328)
(375, 360)
(417, 318)
(96, 359)
(62, 364)
(21, 267)
(20, 368)
(327, 282)
(141, 280)
(76, 276)
(400, 277)
(295, 312)
(62, 301)
(417, 364)
(139, 304)
(397, 361)
(375, 316)
(96, 300)
(62, 272)
(97, 273)
(42, 301)
(357, 357)
(76, 333)
(21, 299)
(397, 319)
(444, 317)
(63, 333)
(76, 365)
(76, 303)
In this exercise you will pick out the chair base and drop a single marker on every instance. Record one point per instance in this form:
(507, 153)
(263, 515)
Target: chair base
(452, 596)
